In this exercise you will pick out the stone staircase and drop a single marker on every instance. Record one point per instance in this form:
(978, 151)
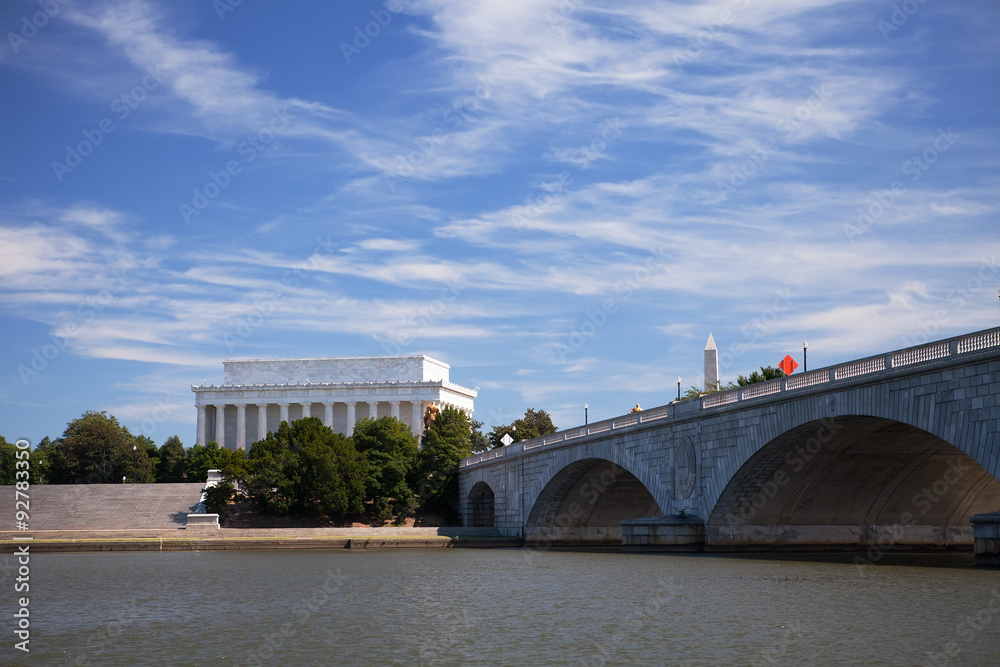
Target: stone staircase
(103, 506)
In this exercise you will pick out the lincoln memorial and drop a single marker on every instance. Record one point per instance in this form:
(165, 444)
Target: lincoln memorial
(256, 395)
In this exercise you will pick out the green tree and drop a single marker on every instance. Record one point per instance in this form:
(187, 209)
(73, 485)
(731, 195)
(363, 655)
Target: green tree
(695, 392)
(477, 441)
(96, 449)
(533, 424)
(41, 460)
(218, 497)
(766, 373)
(445, 442)
(390, 450)
(202, 458)
(306, 468)
(172, 467)
(152, 451)
(8, 462)
(32, 462)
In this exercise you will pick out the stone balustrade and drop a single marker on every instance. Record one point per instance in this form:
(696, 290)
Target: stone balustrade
(861, 370)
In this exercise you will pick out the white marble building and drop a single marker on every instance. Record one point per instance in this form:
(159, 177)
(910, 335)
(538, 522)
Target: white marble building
(257, 395)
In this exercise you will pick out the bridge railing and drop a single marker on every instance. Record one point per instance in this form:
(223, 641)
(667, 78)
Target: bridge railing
(852, 370)
(921, 354)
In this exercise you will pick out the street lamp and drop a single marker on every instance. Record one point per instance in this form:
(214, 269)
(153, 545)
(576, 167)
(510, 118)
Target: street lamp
(678, 387)
(805, 346)
(585, 406)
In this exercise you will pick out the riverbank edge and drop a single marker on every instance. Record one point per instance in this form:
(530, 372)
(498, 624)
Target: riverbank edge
(250, 539)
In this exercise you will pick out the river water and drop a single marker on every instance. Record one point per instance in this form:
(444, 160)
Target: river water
(513, 607)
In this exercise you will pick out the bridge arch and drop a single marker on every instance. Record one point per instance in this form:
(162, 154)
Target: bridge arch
(480, 503)
(585, 501)
(853, 480)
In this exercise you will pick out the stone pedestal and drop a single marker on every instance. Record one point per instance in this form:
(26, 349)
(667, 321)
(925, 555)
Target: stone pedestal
(667, 532)
(202, 522)
(986, 536)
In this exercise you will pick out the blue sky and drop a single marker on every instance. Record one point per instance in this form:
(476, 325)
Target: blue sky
(561, 199)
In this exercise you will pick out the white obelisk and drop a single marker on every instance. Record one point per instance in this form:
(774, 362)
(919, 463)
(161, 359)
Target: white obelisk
(711, 365)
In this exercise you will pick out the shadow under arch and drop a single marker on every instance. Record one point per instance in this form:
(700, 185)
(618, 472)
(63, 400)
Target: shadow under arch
(584, 502)
(481, 506)
(853, 482)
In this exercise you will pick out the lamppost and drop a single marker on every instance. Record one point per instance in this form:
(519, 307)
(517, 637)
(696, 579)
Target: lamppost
(678, 387)
(805, 345)
(585, 406)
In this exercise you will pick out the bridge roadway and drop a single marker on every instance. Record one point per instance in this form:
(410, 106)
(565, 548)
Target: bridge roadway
(898, 450)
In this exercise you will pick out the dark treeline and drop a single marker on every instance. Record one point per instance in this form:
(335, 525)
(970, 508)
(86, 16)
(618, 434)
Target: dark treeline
(96, 449)
(303, 468)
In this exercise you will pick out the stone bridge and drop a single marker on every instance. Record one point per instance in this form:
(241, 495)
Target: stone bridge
(897, 450)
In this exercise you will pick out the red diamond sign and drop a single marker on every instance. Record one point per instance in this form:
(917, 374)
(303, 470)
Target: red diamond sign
(788, 365)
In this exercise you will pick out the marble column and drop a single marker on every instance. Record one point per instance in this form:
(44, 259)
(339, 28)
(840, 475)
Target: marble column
(352, 417)
(373, 409)
(328, 415)
(284, 412)
(220, 425)
(306, 410)
(241, 426)
(418, 418)
(261, 421)
(394, 409)
(202, 418)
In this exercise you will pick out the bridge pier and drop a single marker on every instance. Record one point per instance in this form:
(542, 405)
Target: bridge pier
(667, 532)
(986, 535)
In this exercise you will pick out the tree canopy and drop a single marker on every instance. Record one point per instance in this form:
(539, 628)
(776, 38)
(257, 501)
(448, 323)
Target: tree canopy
(766, 373)
(534, 423)
(445, 442)
(306, 468)
(390, 450)
(172, 466)
(477, 441)
(96, 449)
